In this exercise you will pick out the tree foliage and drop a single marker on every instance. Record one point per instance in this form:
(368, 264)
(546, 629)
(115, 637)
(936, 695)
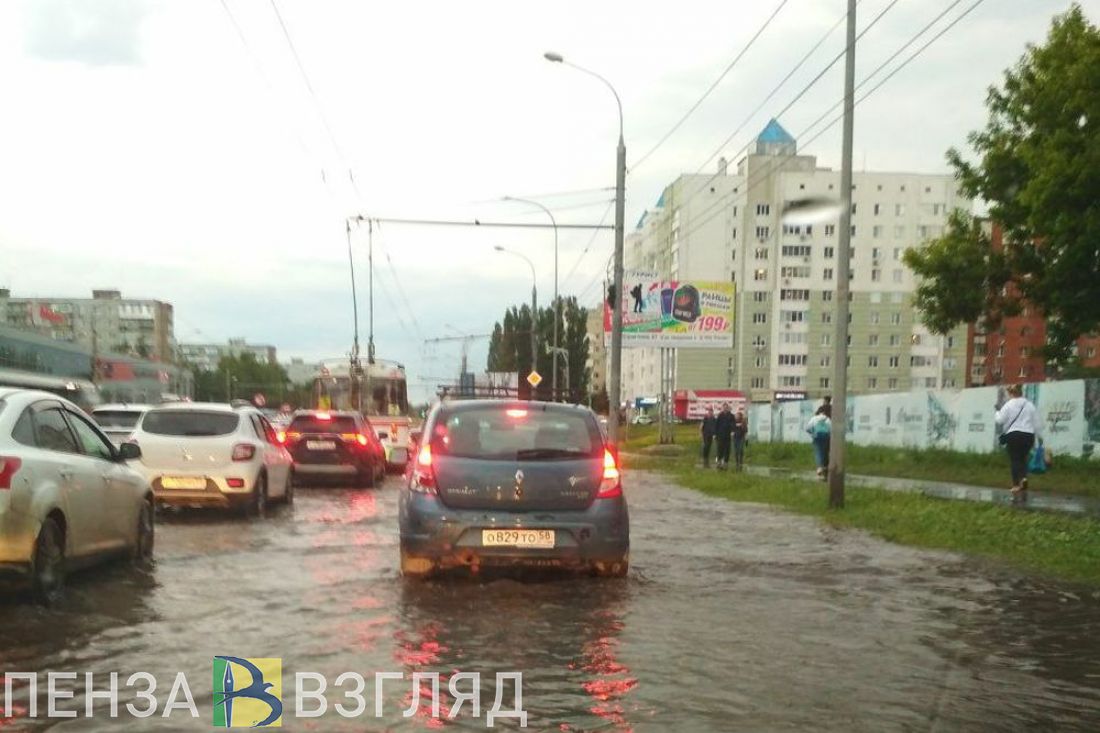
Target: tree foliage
(510, 347)
(1038, 168)
(243, 376)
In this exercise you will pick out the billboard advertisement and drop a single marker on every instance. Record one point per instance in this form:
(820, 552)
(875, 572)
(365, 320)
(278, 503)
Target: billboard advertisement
(661, 313)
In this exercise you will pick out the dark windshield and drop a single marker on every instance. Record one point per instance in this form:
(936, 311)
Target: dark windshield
(127, 419)
(500, 433)
(193, 423)
(313, 424)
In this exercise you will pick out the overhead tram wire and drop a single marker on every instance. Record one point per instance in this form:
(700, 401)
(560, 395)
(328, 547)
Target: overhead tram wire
(400, 288)
(771, 166)
(691, 110)
(555, 194)
(813, 82)
(588, 246)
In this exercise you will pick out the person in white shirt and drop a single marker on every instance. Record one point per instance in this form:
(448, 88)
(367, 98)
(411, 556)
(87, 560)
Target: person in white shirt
(820, 429)
(1020, 425)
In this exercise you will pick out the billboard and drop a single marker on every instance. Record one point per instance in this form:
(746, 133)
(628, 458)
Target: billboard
(661, 313)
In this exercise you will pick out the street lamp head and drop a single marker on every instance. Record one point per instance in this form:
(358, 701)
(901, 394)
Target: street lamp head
(555, 57)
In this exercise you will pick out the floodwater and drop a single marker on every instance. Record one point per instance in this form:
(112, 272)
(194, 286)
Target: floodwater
(734, 617)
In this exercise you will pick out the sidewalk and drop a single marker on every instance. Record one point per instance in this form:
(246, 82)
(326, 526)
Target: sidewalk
(1044, 501)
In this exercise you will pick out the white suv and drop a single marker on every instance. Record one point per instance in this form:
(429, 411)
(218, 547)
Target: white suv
(205, 454)
(67, 497)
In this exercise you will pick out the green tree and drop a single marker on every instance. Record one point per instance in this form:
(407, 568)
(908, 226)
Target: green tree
(510, 347)
(1038, 169)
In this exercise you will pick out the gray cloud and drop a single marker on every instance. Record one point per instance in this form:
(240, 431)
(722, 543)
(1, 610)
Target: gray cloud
(103, 33)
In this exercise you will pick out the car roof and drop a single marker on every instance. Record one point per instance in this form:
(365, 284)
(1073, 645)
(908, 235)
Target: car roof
(464, 405)
(200, 406)
(34, 394)
(123, 406)
(334, 413)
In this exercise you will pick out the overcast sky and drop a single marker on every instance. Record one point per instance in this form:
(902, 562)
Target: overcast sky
(144, 147)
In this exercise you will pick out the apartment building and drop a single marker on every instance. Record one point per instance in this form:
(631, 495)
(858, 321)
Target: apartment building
(730, 226)
(106, 322)
(597, 354)
(205, 357)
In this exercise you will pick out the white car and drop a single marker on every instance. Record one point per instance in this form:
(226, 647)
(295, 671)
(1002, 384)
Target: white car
(118, 421)
(67, 497)
(205, 454)
(642, 419)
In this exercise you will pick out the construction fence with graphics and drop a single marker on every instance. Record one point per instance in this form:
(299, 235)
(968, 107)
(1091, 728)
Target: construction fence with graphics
(960, 420)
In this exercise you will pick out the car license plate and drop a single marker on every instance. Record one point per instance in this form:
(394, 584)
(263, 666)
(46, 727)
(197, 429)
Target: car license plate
(320, 445)
(536, 538)
(182, 482)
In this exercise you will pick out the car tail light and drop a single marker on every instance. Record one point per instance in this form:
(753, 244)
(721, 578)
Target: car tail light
(393, 431)
(281, 437)
(9, 466)
(423, 475)
(243, 452)
(292, 435)
(516, 413)
(362, 440)
(611, 486)
(324, 416)
(235, 483)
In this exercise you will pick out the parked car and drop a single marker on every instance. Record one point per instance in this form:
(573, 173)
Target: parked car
(513, 483)
(213, 455)
(118, 421)
(335, 444)
(642, 419)
(67, 497)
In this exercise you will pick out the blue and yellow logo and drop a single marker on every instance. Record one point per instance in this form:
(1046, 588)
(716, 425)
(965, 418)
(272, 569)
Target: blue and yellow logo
(248, 693)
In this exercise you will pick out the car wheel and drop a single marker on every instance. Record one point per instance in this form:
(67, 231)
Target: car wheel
(257, 504)
(48, 578)
(288, 497)
(612, 569)
(146, 534)
(416, 568)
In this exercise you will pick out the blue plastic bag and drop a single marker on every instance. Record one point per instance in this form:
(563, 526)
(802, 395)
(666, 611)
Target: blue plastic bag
(1037, 463)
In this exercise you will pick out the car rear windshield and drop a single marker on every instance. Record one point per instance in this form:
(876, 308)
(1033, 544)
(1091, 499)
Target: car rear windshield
(313, 424)
(500, 433)
(194, 423)
(127, 419)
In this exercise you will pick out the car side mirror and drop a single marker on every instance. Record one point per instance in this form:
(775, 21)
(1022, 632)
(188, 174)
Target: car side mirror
(129, 452)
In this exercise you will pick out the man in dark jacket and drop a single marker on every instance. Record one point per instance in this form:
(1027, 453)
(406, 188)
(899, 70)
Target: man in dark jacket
(706, 431)
(740, 437)
(724, 434)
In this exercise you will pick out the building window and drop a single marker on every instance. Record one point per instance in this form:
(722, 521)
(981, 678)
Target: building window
(1090, 352)
(761, 362)
(763, 233)
(761, 253)
(950, 342)
(872, 361)
(760, 296)
(897, 254)
(826, 361)
(826, 339)
(796, 250)
(802, 271)
(794, 338)
(827, 317)
(876, 275)
(794, 294)
(899, 209)
(756, 318)
(733, 232)
(829, 252)
(853, 206)
(899, 232)
(872, 340)
(792, 316)
(758, 383)
(949, 362)
(790, 380)
(763, 209)
(938, 209)
(895, 361)
(874, 317)
(792, 359)
(876, 232)
(760, 274)
(892, 383)
(823, 382)
(826, 295)
(759, 342)
(895, 339)
(1001, 350)
(853, 230)
(830, 230)
(898, 275)
(921, 361)
(877, 206)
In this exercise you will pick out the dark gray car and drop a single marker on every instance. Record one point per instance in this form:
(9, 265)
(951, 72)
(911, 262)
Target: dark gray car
(513, 483)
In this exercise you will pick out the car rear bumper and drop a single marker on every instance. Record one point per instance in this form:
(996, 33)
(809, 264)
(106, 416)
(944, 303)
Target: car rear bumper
(216, 493)
(397, 457)
(18, 532)
(451, 538)
(326, 469)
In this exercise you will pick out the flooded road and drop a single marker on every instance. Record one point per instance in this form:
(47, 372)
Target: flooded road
(734, 617)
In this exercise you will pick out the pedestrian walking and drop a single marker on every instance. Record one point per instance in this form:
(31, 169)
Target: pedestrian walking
(740, 438)
(1021, 425)
(820, 428)
(723, 435)
(707, 430)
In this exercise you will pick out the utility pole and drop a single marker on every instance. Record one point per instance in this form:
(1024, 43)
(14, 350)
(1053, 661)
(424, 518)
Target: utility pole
(370, 314)
(840, 389)
(355, 395)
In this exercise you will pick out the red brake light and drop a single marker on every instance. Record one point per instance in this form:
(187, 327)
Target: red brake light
(292, 435)
(324, 416)
(423, 476)
(517, 413)
(243, 452)
(361, 439)
(281, 437)
(9, 466)
(611, 486)
(235, 483)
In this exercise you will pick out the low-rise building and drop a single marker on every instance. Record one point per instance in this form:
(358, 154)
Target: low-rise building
(205, 357)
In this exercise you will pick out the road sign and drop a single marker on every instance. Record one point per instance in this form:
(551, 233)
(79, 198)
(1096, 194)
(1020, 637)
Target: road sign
(534, 378)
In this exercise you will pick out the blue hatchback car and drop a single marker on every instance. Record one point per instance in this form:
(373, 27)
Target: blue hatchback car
(505, 483)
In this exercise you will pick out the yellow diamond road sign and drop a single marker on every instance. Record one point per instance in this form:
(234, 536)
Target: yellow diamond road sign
(534, 378)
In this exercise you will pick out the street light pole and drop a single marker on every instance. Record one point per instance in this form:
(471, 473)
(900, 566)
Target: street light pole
(839, 416)
(534, 302)
(614, 385)
(557, 302)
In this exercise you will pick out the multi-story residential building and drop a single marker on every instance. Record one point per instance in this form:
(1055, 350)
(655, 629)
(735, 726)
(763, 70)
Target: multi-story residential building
(205, 357)
(105, 322)
(299, 371)
(1014, 352)
(731, 226)
(597, 354)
